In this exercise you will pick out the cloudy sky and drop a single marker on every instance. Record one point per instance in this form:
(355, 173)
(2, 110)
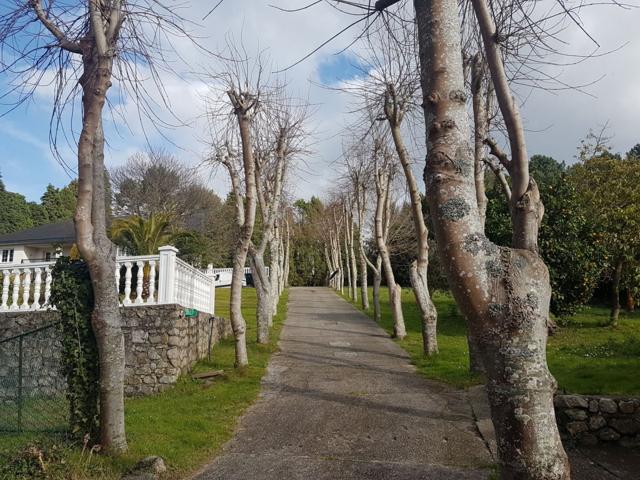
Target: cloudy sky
(556, 121)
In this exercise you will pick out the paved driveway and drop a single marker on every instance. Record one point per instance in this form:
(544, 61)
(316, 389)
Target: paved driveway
(341, 401)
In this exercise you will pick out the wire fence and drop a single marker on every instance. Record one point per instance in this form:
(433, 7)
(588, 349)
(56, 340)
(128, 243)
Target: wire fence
(32, 386)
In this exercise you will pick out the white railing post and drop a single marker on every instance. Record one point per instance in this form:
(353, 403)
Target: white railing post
(6, 275)
(26, 288)
(140, 282)
(48, 279)
(167, 275)
(15, 295)
(152, 281)
(36, 289)
(127, 283)
(213, 296)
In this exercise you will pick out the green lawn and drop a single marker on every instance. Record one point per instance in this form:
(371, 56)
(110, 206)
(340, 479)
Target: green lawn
(185, 425)
(585, 356)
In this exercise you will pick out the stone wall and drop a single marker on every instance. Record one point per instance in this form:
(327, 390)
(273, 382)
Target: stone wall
(161, 343)
(589, 420)
(14, 323)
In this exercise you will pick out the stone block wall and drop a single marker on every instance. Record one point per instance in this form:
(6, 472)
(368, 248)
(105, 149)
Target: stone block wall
(30, 365)
(589, 420)
(14, 323)
(161, 343)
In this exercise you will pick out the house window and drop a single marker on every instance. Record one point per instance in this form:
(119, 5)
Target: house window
(47, 256)
(7, 256)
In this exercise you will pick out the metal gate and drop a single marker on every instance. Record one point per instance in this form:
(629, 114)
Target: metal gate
(32, 386)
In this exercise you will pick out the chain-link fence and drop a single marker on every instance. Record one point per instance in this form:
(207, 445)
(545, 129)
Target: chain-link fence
(32, 386)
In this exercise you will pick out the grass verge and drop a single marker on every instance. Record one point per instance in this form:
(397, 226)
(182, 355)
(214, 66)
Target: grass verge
(585, 355)
(186, 425)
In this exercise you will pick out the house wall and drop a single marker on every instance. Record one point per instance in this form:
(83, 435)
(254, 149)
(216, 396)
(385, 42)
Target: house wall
(19, 253)
(23, 253)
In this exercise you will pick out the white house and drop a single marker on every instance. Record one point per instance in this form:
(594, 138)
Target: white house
(38, 244)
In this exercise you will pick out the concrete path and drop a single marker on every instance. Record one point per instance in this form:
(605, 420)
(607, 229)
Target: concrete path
(341, 401)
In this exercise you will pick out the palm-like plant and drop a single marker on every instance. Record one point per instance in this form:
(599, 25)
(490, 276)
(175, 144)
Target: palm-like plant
(143, 236)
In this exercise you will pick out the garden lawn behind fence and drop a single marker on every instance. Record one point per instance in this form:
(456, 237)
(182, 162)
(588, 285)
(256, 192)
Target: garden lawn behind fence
(585, 356)
(186, 425)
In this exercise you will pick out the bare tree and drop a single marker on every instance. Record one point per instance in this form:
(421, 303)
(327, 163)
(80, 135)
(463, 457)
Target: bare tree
(504, 293)
(389, 93)
(384, 175)
(243, 88)
(284, 133)
(359, 176)
(86, 45)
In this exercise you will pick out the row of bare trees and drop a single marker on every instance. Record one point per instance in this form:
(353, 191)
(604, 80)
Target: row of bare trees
(474, 50)
(80, 48)
(259, 131)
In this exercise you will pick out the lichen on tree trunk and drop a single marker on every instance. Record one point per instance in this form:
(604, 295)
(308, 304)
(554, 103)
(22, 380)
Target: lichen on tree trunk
(502, 292)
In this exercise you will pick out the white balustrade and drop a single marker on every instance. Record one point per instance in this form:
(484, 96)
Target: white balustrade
(22, 286)
(148, 280)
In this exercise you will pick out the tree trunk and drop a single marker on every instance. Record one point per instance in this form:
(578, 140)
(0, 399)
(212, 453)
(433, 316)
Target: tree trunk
(631, 301)
(361, 202)
(287, 258)
(419, 268)
(263, 296)
(377, 280)
(354, 265)
(99, 252)
(238, 323)
(348, 262)
(503, 293)
(381, 227)
(339, 261)
(615, 294)
(364, 286)
(475, 360)
(480, 124)
(429, 315)
(275, 273)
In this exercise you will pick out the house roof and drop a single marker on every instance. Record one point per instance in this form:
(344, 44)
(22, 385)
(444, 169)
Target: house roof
(63, 232)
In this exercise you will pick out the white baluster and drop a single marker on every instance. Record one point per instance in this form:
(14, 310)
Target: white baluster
(48, 278)
(36, 289)
(6, 275)
(26, 289)
(127, 283)
(140, 282)
(118, 279)
(16, 289)
(152, 281)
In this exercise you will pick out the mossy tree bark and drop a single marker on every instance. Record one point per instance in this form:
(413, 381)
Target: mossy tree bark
(503, 293)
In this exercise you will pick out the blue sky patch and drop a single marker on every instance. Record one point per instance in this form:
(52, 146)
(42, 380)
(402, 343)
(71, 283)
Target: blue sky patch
(338, 68)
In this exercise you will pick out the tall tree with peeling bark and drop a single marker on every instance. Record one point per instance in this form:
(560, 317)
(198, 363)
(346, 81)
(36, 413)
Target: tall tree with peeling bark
(86, 44)
(503, 292)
